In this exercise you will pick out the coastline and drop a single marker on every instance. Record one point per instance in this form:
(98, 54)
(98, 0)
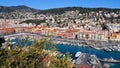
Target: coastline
(104, 45)
(74, 43)
(99, 45)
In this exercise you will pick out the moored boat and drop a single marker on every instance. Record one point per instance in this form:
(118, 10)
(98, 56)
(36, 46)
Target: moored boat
(110, 60)
(107, 49)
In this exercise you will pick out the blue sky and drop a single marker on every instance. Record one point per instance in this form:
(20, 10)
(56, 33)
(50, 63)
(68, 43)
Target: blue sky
(47, 4)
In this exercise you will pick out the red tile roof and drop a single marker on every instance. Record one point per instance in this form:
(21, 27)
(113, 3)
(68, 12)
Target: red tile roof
(72, 30)
(84, 66)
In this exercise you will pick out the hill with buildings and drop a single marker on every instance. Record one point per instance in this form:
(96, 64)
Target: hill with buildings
(61, 17)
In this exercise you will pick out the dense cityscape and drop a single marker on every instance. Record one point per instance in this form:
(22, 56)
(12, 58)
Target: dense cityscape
(32, 38)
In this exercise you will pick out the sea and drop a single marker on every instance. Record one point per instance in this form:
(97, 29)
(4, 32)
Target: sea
(63, 48)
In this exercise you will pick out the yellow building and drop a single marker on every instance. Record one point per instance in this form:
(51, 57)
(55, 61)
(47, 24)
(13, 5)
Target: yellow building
(118, 36)
(91, 35)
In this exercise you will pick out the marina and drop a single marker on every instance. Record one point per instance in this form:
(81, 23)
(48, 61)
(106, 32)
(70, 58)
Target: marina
(101, 54)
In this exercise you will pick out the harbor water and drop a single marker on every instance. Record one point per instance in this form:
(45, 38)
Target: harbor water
(99, 53)
(63, 48)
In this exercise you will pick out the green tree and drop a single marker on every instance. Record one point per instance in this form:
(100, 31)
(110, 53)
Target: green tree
(36, 56)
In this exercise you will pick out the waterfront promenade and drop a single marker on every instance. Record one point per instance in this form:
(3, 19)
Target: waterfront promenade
(22, 35)
(58, 40)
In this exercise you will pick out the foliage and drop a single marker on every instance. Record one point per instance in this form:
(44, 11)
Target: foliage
(34, 56)
(37, 22)
(104, 27)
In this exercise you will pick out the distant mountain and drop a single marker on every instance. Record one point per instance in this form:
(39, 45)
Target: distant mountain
(23, 8)
(20, 8)
(81, 9)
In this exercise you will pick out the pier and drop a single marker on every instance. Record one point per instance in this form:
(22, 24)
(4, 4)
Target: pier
(23, 35)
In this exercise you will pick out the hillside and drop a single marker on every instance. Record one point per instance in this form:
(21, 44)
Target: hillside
(23, 8)
(20, 8)
(81, 9)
